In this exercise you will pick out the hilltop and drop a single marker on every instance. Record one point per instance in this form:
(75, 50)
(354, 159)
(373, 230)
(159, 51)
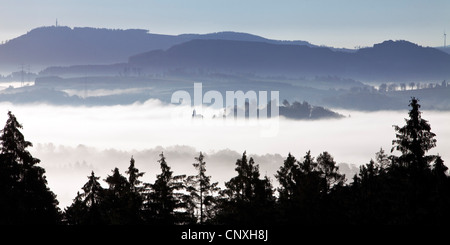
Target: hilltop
(65, 46)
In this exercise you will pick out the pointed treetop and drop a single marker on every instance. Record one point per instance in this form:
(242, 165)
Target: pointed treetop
(414, 139)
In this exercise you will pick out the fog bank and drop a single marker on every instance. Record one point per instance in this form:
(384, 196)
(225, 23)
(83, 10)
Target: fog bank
(73, 141)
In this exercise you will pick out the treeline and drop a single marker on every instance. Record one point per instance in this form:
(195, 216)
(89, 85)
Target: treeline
(410, 188)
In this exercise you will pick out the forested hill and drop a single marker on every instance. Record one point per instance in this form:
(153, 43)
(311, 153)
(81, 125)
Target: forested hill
(65, 46)
(390, 60)
(387, 61)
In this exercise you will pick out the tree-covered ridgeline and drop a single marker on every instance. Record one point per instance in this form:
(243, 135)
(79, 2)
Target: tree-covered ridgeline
(409, 187)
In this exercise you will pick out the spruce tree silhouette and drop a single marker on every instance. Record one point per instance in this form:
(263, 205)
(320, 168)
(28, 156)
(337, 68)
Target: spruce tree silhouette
(87, 208)
(202, 193)
(25, 197)
(289, 176)
(439, 169)
(304, 188)
(116, 200)
(247, 199)
(135, 195)
(414, 139)
(403, 189)
(442, 191)
(133, 177)
(162, 202)
(75, 214)
(121, 203)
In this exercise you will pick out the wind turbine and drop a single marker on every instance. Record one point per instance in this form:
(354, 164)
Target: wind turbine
(445, 39)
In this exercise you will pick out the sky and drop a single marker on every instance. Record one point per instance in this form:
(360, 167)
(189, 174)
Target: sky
(343, 23)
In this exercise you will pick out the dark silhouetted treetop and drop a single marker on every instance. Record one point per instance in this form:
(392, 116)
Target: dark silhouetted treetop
(329, 171)
(287, 176)
(382, 160)
(247, 199)
(414, 139)
(93, 191)
(439, 168)
(118, 184)
(163, 200)
(203, 194)
(243, 186)
(14, 144)
(133, 176)
(24, 195)
(88, 208)
(117, 206)
(135, 198)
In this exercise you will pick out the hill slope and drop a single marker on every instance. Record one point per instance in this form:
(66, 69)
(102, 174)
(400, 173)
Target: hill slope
(398, 60)
(64, 46)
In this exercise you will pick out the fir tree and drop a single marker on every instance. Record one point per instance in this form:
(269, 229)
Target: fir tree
(414, 139)
(133, 176)
(93, 191)
(163, 199)
(439, 169)
(87, 208)
(287, 176)
(202, 192)
(247, 199)
(75, 214)
(135, 198)
(25, 197)
(383, 161)
(115, 203)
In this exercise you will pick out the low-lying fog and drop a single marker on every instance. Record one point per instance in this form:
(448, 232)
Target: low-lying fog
(73, 141)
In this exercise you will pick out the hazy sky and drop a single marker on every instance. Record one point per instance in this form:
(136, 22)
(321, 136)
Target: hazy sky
(343, 23)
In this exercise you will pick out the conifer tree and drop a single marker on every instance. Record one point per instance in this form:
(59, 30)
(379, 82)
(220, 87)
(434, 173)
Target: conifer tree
(75, 214)
(287, 176)
(414, 139)
(87, 208)
(163, 199)
(135, 198)
(329, 171)
(247, 199)
(133, 177)
(383, 161)
(305, 186)
(25, 197)
(115, 203)
(308, 165)
(439, 169)
(93, 191)
(202, 192)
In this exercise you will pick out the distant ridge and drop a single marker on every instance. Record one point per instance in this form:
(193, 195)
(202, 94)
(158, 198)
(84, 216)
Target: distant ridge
(397, 60)
(65, 46)
(387, 61)
(85, 51)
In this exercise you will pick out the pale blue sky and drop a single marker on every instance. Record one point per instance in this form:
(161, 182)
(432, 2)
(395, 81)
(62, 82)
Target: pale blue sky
(338, 23)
